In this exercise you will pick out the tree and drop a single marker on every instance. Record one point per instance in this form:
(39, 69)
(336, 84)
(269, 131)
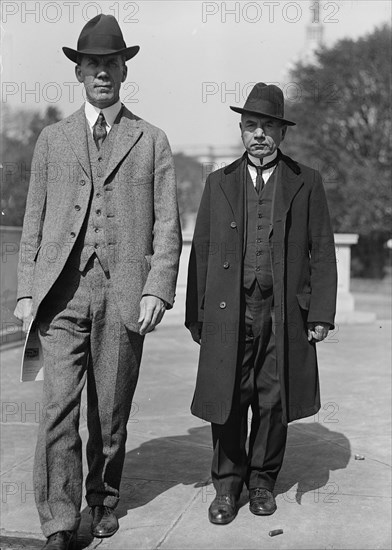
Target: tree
(18, 137)
(341, 104)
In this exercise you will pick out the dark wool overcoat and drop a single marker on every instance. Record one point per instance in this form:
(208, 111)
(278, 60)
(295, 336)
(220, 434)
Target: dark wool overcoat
(305, 280)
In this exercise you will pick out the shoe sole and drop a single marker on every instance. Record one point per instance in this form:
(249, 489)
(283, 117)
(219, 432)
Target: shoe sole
(221, 522)
(263, 513)
(106, 536)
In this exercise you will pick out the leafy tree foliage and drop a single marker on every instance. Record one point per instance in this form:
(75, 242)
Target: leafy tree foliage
(341, 105)
(18, 137)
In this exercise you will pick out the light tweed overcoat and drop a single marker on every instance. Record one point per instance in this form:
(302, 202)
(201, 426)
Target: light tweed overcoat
(143, 239)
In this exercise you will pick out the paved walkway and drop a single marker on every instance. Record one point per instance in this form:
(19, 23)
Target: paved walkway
(326, 497)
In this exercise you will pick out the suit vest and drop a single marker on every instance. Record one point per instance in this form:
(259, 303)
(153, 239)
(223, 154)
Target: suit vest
(93, 236)
(257, 257)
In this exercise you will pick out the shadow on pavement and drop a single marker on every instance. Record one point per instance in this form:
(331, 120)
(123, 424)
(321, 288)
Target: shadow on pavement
(155, 467)
(313, 451)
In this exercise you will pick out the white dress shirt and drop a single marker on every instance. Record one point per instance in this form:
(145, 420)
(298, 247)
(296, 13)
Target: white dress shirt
(266, 173)
(110, 114)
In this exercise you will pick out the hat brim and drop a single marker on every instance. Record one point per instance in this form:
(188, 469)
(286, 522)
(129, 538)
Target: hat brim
(127, 52)
(259, 113)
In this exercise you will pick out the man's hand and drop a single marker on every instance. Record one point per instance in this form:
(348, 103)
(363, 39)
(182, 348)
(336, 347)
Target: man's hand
(152, 310)
(23, 312)
(317, 332)
(195, 330)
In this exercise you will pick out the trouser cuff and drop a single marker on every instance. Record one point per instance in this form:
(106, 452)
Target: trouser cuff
(102, 500)
(55, 525)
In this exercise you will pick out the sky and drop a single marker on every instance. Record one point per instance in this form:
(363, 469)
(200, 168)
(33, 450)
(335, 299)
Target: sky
(196, 58)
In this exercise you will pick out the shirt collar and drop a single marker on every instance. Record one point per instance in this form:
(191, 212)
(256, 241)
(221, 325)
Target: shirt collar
(256, 161)
(110, 113)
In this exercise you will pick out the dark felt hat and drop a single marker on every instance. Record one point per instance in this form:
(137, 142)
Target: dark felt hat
(265, 100)
(101, 36)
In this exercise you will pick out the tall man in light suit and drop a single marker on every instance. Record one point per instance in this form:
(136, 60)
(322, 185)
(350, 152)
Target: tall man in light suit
(98, 267)
(261, 293)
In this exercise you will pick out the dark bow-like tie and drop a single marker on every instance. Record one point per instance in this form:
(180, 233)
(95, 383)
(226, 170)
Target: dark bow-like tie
(259, 179)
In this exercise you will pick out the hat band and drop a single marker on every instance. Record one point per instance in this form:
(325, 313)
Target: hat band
(101, 41)
(264, 106)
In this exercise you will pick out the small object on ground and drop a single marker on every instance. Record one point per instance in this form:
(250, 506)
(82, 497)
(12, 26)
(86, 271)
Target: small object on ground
(275, 532)
(359, 457)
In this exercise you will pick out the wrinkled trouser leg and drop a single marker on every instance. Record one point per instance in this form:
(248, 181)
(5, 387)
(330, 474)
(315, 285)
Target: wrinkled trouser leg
(81, 331)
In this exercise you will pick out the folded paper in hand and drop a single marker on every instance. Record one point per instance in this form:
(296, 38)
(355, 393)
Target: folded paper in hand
(32, 367)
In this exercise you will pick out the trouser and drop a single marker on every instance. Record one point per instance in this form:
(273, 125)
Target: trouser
(257, 386)
(82, 337)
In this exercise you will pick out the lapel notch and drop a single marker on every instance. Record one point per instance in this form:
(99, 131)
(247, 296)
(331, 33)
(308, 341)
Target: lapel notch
(75, 129)
(128, 134)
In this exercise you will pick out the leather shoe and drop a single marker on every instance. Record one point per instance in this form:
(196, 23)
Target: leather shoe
(262, 502)
(62, 540)
(105, 522)
(223, 509)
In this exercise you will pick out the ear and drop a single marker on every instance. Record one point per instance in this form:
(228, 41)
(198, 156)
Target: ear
(283, 130)
(125, 72)
(240, 124)
(78, 73)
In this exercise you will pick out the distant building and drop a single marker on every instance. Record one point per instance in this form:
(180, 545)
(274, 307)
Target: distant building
(314, 38)
(212, 157)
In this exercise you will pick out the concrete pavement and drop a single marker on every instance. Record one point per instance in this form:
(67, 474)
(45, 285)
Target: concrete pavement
(326, 497)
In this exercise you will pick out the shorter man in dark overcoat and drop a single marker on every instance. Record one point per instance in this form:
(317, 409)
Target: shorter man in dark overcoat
(261, 293)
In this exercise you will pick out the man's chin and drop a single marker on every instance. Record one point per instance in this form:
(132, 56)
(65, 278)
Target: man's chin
(259, 153)
(102, 100)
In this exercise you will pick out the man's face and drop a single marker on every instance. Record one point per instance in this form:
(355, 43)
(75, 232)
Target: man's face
(261, 135)
(102, 77)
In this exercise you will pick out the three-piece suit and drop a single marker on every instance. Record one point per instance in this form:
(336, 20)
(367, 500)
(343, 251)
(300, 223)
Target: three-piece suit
(101, 230)
(254, 344)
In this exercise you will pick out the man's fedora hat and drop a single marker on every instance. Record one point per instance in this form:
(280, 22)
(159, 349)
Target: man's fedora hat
(101, 36)
(265, 100)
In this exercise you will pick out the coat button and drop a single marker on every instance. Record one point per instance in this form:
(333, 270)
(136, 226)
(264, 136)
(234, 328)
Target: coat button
(77, 207)
(233, 225)
(226, 265)
(73, 234)
(222, 305)
(82, 182)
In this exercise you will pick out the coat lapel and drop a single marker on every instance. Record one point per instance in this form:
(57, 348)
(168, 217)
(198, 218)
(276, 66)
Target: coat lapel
(128, 134)
(232, 185)
(287, 186)
(75, 130)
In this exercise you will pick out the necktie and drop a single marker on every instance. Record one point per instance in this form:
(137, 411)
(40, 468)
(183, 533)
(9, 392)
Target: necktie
(259, 179)
(99, 131)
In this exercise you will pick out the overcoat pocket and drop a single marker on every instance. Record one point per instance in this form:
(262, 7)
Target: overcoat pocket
(304, 300)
